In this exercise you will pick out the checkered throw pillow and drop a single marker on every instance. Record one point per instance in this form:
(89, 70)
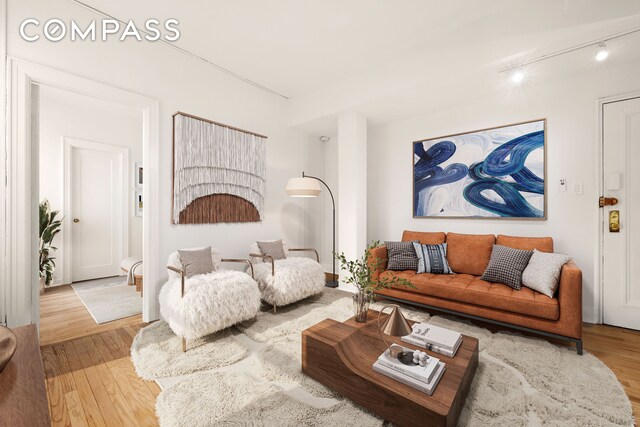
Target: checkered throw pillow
(432, 258)
(506, 266)
(401, 256)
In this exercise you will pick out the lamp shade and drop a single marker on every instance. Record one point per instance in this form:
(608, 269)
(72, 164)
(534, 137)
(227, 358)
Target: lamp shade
(396, 325)
(303, 187)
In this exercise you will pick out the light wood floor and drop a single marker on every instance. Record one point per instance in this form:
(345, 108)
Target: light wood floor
(91, 380)
(63, 317)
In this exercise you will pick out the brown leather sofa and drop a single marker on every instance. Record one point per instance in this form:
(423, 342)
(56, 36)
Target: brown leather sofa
(464, 294)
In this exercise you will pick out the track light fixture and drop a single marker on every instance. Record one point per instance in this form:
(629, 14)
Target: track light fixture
(602, 53)
(517, 76)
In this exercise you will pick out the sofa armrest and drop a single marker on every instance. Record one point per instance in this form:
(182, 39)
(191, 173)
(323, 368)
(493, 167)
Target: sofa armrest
(379, 252)
(570, 298)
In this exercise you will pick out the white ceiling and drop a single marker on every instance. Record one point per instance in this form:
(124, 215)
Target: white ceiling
(332, 55)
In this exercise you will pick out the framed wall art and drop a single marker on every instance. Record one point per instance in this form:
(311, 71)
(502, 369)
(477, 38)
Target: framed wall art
(219, 172)
(137, 202)
(490, 173)
(138, 175)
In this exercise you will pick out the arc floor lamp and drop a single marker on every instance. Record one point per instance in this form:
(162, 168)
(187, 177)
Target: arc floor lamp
(308, 186)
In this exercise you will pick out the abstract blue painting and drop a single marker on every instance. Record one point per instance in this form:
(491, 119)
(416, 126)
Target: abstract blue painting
(490, 173)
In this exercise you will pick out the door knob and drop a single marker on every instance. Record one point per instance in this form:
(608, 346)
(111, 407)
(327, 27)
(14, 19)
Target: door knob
(76, 220)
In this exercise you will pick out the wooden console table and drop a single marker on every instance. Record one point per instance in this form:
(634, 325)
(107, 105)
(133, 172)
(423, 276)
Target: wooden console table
(23, 396)
(341, 355)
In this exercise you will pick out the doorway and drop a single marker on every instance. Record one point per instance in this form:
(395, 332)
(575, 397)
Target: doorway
(88, 150)
(19, 270)
(621, 212)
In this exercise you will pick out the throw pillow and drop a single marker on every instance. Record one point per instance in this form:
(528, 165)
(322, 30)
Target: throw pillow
(506, 266)
(432, 258)
(196, 261)
(401, 256)
(273, 248)
(543, 272)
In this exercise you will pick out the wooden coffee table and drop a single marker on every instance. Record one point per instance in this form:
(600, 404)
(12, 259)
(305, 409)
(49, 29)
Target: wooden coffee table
(341, 355)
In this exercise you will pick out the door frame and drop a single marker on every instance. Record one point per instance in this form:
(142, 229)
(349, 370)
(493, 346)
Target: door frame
(4, 292)
(68, 144)
(598, 298)
(20, 228)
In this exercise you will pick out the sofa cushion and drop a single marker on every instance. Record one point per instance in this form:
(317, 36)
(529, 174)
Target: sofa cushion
(469, 253)
(196, 261)
(432, 258)
(543, 272)
(402, 256)
(506, 266)
(424, 237)
(543, 244)
(272, 248)
(469, 289)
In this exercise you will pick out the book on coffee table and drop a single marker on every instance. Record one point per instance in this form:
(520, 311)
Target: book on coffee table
(427, 388)
(436, 349)
(419, 373)
(434, 338)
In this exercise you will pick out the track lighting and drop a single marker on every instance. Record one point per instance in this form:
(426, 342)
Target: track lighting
(602, 53)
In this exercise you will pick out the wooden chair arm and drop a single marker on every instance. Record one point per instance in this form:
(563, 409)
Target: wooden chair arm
(182, 274)
(244, 261)
(273, 265)
(306, 250)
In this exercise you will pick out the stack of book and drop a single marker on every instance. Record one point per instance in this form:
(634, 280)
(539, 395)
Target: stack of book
(423, 377)
(434, 338)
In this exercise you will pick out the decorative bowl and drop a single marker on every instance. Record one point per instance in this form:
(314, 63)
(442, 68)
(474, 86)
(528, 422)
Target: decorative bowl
(8, 343)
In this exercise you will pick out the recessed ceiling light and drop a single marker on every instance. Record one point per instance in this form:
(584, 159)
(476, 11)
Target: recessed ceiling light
(517, 76)
(602, 53)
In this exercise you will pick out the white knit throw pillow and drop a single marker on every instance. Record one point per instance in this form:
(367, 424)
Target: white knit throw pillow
(543, 272)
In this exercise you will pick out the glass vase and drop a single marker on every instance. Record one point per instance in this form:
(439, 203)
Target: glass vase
(361, 302)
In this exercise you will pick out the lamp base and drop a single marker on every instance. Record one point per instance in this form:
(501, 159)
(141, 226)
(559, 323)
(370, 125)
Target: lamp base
(331, 283)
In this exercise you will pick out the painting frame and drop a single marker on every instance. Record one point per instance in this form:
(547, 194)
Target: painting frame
(544, 196)
(138, 176)
(138, 202)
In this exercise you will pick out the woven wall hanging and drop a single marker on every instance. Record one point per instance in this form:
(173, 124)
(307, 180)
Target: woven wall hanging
(219, 172)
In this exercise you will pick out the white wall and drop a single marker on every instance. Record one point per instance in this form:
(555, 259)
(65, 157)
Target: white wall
(330, 176)
(181, 83)
(569, 105)
(66, 114)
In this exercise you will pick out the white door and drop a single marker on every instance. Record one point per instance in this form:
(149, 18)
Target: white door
(621, 246)
(97, 209)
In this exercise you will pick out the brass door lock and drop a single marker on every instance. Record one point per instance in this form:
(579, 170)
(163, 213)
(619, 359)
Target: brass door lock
(614, 221)
(607, 201)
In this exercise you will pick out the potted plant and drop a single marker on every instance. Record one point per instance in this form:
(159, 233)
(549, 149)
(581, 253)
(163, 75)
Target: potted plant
(361, 275)
(49, 227)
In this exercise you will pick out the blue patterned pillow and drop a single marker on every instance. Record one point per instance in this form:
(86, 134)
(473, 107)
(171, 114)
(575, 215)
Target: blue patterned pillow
(432, 258)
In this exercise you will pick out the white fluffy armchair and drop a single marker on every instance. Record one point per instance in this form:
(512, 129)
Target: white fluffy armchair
(206, 303)
(285, 281)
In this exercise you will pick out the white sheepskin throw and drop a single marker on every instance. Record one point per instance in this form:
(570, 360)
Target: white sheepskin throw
(211, 302)
(295, 279)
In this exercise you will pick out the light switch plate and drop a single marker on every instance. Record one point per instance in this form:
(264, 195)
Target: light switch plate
(578, 189)
(563, 185)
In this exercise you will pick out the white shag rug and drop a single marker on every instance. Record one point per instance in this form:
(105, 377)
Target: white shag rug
(520, 381)
(157, 352)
